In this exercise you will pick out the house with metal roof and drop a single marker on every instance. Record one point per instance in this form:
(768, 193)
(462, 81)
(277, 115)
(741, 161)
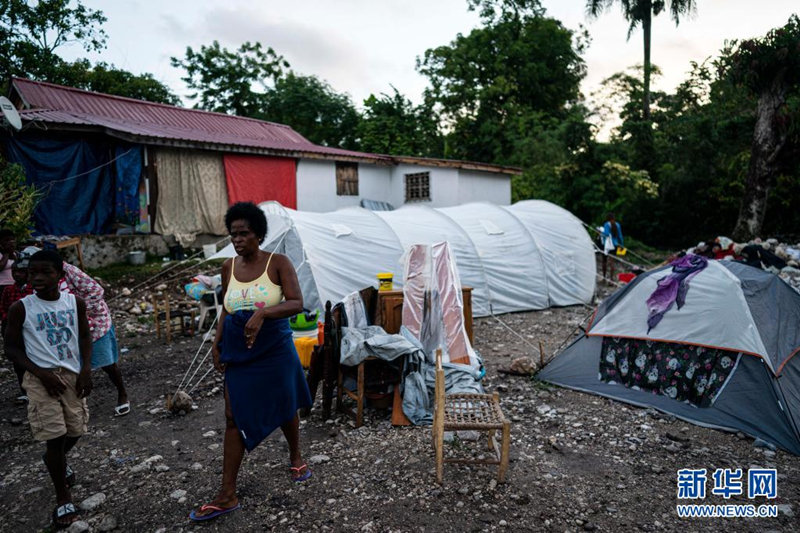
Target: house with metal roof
(107, 164)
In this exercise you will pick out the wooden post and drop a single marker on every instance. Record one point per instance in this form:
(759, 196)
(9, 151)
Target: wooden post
(360, 395)
(541, 356)
(155, 317)
(328, 376)
(166, 314)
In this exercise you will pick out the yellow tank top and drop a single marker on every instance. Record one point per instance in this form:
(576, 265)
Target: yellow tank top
(252, 295)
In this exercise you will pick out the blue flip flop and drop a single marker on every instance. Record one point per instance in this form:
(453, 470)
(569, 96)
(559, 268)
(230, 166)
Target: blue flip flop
(303, 477)
(218, 511)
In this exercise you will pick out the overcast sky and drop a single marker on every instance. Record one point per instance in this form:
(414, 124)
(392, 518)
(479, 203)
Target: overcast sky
(364, 46)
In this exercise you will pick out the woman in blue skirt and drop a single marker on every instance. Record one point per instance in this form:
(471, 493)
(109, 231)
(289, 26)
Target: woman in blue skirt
(264, 382)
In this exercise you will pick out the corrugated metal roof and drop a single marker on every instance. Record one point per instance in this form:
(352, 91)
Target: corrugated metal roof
(51, 103)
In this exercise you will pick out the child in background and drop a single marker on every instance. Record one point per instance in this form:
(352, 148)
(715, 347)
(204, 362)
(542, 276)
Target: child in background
(8, 246)
(104, 339)
(11, 294)
(48, 335)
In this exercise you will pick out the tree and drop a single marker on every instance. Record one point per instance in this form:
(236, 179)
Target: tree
(391, 124)
(105, 78)
(31, 32)
(230, 81)
(482, 83)
(642, 12)
(770, 68)
(17, 200)
(313, 108)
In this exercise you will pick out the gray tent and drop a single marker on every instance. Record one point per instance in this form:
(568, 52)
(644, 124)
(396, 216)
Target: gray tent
(724, 360)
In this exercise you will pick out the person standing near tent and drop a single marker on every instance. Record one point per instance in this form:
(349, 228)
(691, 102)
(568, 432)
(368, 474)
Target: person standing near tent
(264, 382)
(104, 339)
(8, 245)
(612, 239)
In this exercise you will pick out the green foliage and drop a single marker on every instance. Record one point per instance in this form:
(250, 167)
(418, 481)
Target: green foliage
(393, 125)
(31, 31)
(230, 81)
(104, 78)
(761, 63)
(313, 108)
(17, 200)
(484, 83)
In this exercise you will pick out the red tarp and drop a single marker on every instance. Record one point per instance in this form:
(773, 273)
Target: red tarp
(255, 178)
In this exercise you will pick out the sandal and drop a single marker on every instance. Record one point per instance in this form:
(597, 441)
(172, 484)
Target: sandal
(300, 477)
(122, 409)
(69, 474)
(66, 511)
(216, 511)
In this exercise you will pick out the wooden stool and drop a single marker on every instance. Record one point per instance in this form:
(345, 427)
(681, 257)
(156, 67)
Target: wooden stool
(169, 316)
(455, 412)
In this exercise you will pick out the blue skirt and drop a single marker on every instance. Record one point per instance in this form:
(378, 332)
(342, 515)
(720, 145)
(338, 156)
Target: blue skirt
(266, 384)
(104, 350)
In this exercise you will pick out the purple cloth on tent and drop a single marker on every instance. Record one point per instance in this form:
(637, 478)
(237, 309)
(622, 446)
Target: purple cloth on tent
(673, 287)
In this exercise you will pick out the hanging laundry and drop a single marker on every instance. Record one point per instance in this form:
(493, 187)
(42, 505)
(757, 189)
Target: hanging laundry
(673, 287)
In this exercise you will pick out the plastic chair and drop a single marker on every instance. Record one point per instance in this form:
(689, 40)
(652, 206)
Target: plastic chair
(205, 307)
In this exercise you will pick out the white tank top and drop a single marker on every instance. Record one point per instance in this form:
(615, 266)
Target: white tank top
(50, 332)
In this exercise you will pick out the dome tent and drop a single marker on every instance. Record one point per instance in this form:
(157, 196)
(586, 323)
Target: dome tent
(530, 255)
(742, 321)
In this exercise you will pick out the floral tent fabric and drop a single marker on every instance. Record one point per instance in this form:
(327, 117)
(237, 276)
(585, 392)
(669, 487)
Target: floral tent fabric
(683, 372)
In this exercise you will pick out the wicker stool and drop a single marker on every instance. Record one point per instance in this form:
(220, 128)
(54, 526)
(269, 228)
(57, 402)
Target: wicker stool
(455, 412)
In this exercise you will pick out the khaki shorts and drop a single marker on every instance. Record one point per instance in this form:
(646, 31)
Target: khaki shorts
(52, 417)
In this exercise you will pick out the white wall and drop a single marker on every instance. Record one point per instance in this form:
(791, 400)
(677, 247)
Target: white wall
(477, 186)
(316, 185)
(443, 185)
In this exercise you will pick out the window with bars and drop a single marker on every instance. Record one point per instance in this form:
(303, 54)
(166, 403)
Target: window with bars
(346, 179)
(418, 187)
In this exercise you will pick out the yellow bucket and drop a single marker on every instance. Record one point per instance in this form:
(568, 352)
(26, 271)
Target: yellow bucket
(385, 281)
(304, 347)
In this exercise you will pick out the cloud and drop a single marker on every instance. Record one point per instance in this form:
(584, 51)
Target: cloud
(320, 51)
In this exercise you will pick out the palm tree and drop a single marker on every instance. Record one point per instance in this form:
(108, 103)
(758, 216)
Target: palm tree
(642, 12)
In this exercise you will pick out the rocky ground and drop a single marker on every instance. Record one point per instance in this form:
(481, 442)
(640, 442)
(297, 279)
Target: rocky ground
(579, 462)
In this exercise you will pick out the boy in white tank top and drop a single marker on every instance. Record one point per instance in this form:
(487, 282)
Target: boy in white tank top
(48, 335)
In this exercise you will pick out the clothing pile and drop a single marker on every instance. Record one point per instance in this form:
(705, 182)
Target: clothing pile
(771, 255)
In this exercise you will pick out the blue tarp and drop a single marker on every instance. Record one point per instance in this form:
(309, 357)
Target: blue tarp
(128, 170)
(77, 181)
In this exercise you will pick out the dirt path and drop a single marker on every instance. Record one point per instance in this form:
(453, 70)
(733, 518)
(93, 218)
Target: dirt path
(579, 462)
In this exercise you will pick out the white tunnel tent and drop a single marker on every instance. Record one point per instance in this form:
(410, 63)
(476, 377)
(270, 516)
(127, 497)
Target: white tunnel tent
(530, 255)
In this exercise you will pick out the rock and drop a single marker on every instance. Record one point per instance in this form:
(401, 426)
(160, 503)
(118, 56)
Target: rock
(178, 494)
(80, 526)
(93, 502)
(162, 468)
(543, 409)
(209, 434)
(196, 466)
(180, 401)
(522, 365)
(108, 523)
(135, 310)
(588, 526)
(126, 291)
(317, 459)
(503, 523)
(161, 287)
(786, 508)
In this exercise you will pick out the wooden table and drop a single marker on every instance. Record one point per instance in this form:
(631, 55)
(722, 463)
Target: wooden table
(389, 312)
(72, 241)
